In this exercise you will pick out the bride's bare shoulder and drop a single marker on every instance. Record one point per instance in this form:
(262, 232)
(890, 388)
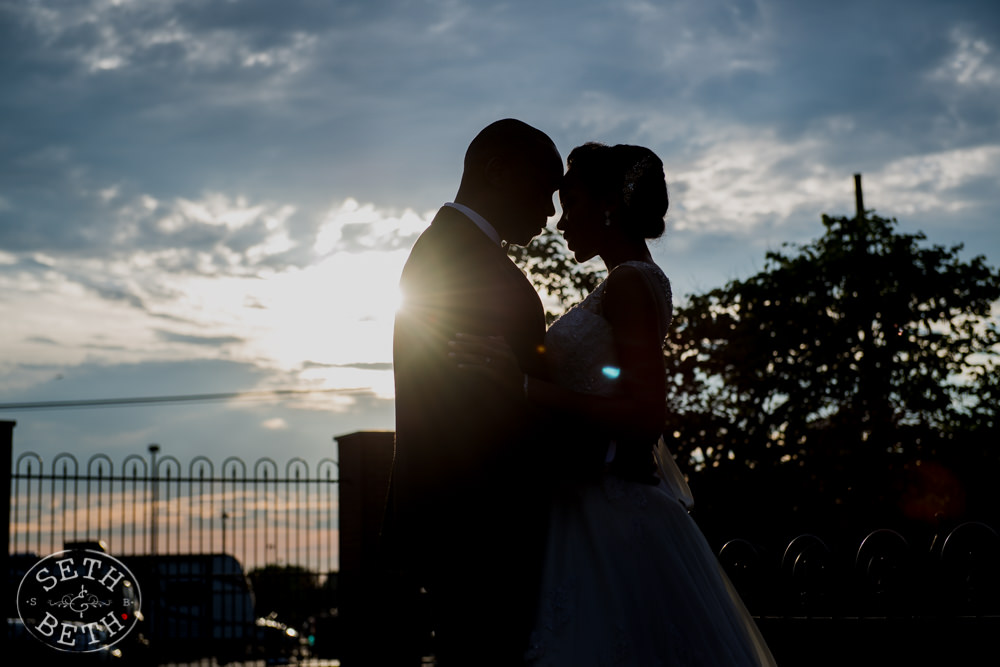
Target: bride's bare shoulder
(630, 299)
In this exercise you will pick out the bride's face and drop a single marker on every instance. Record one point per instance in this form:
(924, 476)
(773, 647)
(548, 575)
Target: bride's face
(582, 221)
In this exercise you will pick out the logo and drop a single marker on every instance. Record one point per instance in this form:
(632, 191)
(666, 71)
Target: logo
(79, 600)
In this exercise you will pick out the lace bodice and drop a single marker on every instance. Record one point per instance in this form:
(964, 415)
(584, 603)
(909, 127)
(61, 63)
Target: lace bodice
(580, 345)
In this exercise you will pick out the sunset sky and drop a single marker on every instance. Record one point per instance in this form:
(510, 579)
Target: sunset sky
(217, 196)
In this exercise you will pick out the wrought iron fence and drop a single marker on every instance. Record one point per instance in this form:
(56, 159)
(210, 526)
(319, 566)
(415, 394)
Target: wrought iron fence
(237, 562)
(263, 515)
(882, 600)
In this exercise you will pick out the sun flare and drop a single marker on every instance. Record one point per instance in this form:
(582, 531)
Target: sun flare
(337, 312)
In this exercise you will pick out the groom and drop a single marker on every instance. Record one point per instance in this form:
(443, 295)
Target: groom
(468, 517)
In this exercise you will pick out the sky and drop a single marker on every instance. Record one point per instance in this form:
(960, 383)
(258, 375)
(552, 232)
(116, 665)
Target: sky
(201, 197)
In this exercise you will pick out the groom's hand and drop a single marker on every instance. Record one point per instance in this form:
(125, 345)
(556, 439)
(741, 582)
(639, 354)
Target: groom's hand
(489, 356)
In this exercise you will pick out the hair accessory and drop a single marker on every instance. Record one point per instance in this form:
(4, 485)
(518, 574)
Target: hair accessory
(607, 218)
(635, 173)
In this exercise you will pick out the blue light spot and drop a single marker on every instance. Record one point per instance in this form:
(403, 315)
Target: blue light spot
(611, 372)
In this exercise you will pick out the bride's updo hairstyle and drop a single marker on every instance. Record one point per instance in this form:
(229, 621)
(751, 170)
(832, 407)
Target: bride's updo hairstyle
(631, 176)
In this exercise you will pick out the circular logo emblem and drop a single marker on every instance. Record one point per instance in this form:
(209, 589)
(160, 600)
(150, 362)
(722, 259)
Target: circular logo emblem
(79, 600)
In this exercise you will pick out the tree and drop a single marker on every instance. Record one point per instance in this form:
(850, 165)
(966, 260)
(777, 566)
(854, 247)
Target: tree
(555, 273)
(842, 352)
(857, 372)
(291, 592)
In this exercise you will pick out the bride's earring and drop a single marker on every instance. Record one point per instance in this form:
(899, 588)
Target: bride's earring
(607, 218)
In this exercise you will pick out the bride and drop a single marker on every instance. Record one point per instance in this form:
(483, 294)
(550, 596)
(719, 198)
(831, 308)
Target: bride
(628, 578)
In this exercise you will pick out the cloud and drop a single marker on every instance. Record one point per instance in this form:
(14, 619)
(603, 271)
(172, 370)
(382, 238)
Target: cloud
(44, 340)
(224, 284)
(947, 182)
(241, 181)
(244, 428)
(275, 424)
(365, 366)
(107, 36)
(973, 62)
(109, 380)
(210, 341)
(658, 73)
(354, 228)
(751, 180)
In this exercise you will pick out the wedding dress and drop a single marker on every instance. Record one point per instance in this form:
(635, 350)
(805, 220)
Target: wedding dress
(628, 577)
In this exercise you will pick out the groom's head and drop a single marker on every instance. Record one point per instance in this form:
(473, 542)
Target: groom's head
(512, 171)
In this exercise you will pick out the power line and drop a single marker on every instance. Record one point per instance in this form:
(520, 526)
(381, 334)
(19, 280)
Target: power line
(183, 398)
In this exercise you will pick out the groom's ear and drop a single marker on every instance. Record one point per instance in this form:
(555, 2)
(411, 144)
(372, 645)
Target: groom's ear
(496, 170)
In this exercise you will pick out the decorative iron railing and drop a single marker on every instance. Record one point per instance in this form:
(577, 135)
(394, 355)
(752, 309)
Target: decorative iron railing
(232, 556)
(237, 562)
(263, 514)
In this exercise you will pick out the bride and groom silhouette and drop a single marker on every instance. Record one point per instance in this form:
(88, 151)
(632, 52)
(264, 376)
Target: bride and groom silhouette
(532, 498)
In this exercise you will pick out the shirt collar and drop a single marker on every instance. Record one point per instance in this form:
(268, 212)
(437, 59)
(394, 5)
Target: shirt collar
(480, 221)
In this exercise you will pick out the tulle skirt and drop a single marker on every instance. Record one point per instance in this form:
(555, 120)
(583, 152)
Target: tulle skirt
(629, 579)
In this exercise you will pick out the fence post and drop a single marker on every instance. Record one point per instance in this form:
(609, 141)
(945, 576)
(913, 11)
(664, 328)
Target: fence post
(365, 463)
(6, 470)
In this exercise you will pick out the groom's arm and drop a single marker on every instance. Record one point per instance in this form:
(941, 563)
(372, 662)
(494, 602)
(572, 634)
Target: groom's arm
(467, 421)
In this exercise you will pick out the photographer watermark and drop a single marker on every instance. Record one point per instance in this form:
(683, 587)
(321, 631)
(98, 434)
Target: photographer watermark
(79, 600)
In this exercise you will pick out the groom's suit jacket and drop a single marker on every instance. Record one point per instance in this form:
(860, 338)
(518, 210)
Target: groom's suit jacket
(469, 456)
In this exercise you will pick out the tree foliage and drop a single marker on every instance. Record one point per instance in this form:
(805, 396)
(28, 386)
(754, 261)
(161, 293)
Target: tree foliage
(844, 360)
(290, 592)
(864, 332)
(856, 373)
(555, 273)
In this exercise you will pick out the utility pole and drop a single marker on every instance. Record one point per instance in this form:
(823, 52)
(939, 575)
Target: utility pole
(859, 199)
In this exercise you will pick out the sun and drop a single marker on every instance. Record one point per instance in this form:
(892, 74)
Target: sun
(337, 314)
(325, 325)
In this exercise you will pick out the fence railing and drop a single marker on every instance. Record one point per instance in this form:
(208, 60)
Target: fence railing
(262, 514)
(232, 555)
(236, 561)
(883, 575)
(883, 600)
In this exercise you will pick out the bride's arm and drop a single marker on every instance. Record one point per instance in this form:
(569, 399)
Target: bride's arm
(631, 307)
(639, 411)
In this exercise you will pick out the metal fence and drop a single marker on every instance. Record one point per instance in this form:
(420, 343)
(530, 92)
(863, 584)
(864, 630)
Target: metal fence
(237, 562)
(884, 600)
(262, 514)
(266, 563)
